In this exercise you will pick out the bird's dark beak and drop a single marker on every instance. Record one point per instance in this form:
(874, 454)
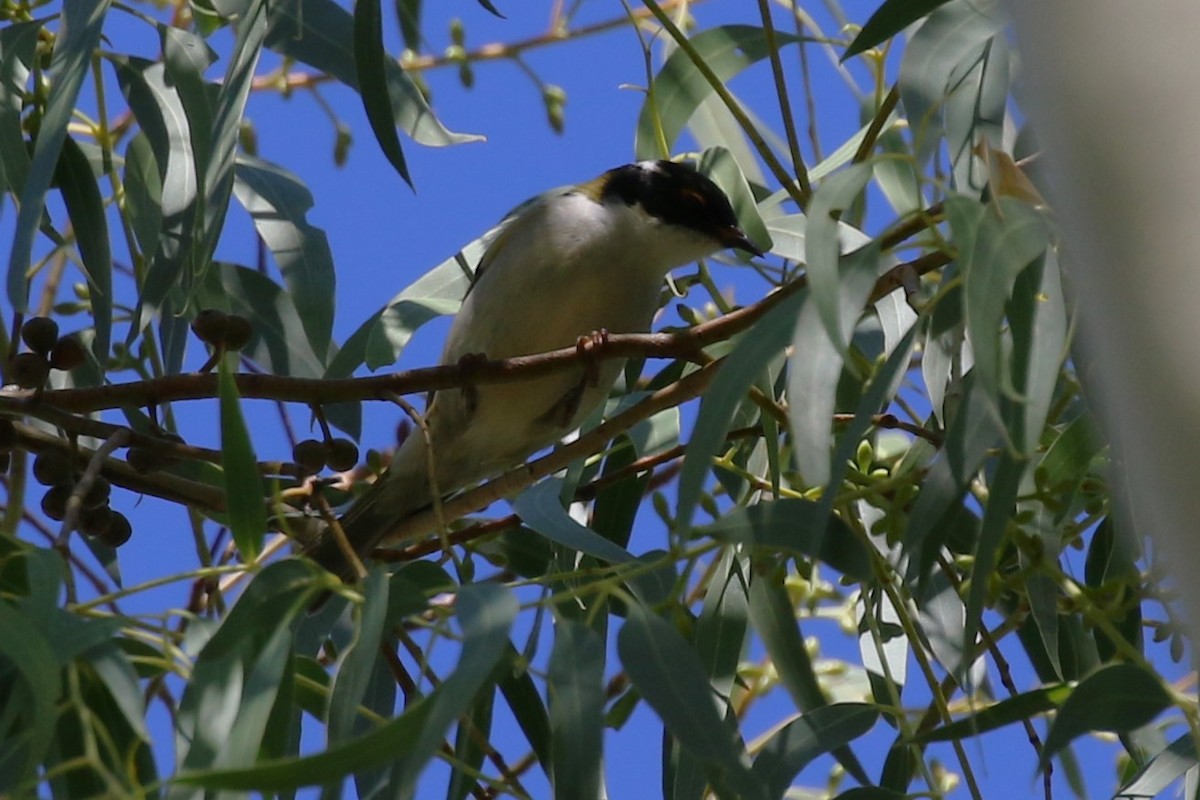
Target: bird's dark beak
(736, 238)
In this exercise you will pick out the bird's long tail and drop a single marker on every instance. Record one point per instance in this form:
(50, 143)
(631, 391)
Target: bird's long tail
(399, 492)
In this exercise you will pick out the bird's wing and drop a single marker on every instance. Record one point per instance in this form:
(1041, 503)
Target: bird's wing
(515, 220)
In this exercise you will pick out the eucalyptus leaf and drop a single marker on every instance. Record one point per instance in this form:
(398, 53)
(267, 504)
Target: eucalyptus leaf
(278, 203)
(243, 484)
(82, 21)
(679, 87)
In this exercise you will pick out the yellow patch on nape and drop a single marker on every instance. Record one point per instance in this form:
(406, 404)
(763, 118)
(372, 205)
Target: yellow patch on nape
(594, 189)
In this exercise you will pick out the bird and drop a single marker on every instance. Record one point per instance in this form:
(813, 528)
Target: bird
(577, 261)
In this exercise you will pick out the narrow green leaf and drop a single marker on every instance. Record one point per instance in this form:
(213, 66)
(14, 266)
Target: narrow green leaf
(1163, 769)
(186, 57)
(160, 114)
(794, 526)
(719, 164)
(85, 207)
(1002, 496)
(143, 194)
(226, 128)
(278, 202)
(818, 357)
(749, 357)
(1112, 558)
(774, 620)
(243, 483)
(1039, 324)
(541, 509)
(1006, 712)
(575, 686)
(795, 745)
(951, 35)
(975, 108)
(1119, 698)
(973, 430)
(521, 695)
(485, 614)
(18, 43)
(471, 744)
(279, 342)
(282, 775)
(82, 21)
(114, 670)
(381, 339)
(24, 647)
(666, 671)
(679, 88)
(1007, 241)
(720, 640)
(892, 17)
(369, 62)
(356, 662)
(320, 33)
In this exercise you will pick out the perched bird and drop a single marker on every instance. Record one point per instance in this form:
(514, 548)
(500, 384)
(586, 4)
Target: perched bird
(569, 263)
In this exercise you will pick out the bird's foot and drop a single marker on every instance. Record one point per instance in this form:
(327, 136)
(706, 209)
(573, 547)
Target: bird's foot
(563, 412)
(586, 347)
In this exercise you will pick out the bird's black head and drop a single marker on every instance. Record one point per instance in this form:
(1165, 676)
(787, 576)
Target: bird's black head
(677, 195)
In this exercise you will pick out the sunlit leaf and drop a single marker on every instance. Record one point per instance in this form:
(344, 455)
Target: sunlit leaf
(82, 21)
(243, 484)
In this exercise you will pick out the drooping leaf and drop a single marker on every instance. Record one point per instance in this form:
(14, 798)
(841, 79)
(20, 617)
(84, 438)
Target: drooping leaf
(85, 207)
(82, 21)
(666, 671)
(796, 744)
(793, 526)
(1119, 697)
(370, 69)
(278, 203)
(320, 33)
(541, 509)
(485, 613)
(244, 491)
(892, 17)
(679, 87)
(575, 685)
(950, 36)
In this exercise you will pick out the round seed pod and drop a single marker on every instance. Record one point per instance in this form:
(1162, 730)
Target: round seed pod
(54, 502)
(68, 353)
(28, 370)
(119, 531)
(309, 455)
(341, 454)
(53, 468)
(95, 521)
(97, 494)
(237, 332)
(211, 326)
(39, 334)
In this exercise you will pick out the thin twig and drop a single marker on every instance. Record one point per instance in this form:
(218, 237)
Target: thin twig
(95, 465)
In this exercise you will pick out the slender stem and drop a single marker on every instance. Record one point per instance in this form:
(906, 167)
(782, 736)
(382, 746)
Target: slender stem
(785, 103)
(800, 196)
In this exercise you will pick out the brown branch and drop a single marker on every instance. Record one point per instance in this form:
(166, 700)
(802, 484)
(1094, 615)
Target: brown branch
(172, 388)
(525, 475)
(158, 484)
(76, 425)
(493, 51)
